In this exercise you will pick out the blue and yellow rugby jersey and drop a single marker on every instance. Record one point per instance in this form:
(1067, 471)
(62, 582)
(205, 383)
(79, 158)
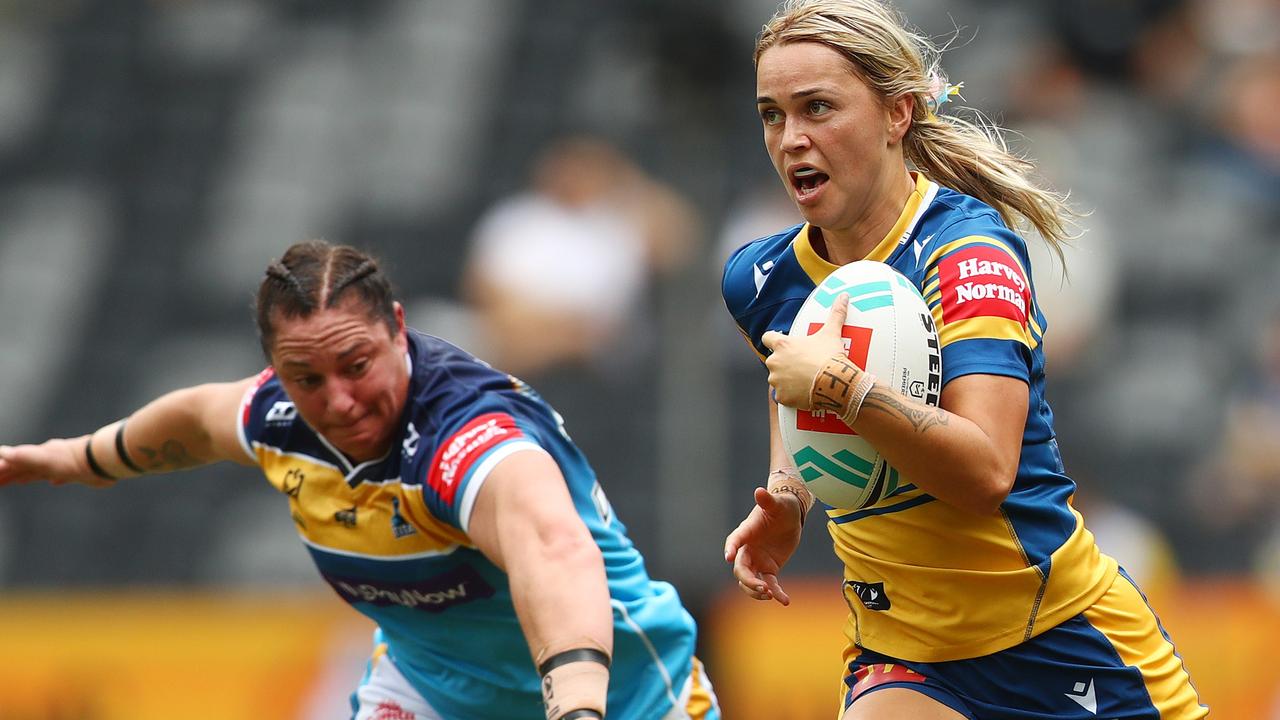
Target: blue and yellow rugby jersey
(926, 581)
(390, 537)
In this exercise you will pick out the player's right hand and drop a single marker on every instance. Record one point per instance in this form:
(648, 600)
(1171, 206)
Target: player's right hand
(59, 461)
(762, 544)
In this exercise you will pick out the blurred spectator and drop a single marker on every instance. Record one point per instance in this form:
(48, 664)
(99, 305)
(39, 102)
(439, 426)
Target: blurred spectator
(1244, 145)
(1236, 495)
(558, 273)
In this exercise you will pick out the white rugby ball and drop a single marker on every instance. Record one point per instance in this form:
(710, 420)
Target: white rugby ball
(889, 333)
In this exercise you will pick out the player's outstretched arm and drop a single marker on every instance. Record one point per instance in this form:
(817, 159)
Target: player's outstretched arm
(182, 429)
(525, 522)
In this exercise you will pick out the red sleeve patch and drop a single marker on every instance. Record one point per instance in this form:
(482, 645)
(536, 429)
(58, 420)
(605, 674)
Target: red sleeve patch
(982, 281)
(455, 456)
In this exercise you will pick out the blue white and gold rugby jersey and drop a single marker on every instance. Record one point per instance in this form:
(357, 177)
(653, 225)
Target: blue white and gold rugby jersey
(926, 581)
(390, 537)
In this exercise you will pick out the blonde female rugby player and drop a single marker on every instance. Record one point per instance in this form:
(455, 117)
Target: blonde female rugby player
(974, 589)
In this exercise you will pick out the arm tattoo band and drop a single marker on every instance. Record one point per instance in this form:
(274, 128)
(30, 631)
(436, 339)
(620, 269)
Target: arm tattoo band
(93, 462)
(840, 387)
(787, 480)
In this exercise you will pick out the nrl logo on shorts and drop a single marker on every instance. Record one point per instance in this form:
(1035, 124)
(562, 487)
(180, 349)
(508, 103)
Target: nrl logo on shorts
(872, 595)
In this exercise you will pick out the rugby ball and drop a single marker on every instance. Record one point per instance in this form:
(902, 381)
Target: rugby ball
(890, 333)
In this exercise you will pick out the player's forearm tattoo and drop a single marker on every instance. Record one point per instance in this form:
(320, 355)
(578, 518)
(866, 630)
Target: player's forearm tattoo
(171, 455)
(920, 418)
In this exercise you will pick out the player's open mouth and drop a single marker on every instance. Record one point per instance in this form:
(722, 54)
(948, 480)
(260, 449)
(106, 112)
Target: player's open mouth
(807, 181)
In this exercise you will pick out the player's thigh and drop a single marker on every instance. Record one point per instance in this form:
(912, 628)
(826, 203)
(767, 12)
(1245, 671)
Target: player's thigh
(898, 702)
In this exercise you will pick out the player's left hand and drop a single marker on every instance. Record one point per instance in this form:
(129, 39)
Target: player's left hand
(794, 362)
(59, 461)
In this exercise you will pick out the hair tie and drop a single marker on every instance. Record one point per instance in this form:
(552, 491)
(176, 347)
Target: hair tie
(940, 93)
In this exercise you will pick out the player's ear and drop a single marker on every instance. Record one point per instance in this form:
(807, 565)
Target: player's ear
(899, 116)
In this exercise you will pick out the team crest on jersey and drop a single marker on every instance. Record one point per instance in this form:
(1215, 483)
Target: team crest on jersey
(983, 281)
(282, 413)
(399, 526)
(464, 448)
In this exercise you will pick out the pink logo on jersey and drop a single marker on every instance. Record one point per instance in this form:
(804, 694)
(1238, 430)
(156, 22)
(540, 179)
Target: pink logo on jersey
(391, 711)
(455, 456)
(983, 281)
(859, 344)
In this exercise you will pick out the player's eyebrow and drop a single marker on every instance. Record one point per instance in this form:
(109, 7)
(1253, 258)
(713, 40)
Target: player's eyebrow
(356, 347)
(806, 92)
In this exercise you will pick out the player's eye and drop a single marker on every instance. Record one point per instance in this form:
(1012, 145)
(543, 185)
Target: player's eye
(771, 116)
(308, 382)
(358, 367)
(819, 107)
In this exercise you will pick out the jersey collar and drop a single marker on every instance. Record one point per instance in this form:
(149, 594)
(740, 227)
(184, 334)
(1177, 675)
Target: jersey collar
(818, 268)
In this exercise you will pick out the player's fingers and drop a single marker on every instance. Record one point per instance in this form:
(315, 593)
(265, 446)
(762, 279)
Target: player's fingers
(775, 588)
(746, 576)
(772, 338)
(839, 313)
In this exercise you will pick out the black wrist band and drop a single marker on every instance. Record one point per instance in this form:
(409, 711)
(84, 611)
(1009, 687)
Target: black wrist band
(582, 715)
(124, 455)
(93, 463)
(575, 655)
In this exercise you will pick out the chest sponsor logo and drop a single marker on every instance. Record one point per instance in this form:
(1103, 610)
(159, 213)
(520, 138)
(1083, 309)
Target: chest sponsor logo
(983, 281)
(871, 595)
(456, 455)
(435, 594)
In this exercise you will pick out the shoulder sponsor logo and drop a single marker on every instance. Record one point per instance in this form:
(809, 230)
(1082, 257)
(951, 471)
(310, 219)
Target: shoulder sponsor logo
(982, 281)
(760, 273)
(456, 455)
(1084, 697)
(434, 594)
(282, 413)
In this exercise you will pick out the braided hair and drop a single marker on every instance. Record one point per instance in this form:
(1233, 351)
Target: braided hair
(315, 275)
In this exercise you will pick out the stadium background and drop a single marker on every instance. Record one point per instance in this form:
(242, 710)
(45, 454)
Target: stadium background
(155, 155)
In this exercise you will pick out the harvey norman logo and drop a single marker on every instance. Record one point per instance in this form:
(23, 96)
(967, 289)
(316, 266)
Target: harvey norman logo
(981, 280)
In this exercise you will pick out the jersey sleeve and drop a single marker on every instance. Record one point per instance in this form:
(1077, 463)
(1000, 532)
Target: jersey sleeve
(754, 290)
(467, 450)
(257, 406)
(978, 289)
